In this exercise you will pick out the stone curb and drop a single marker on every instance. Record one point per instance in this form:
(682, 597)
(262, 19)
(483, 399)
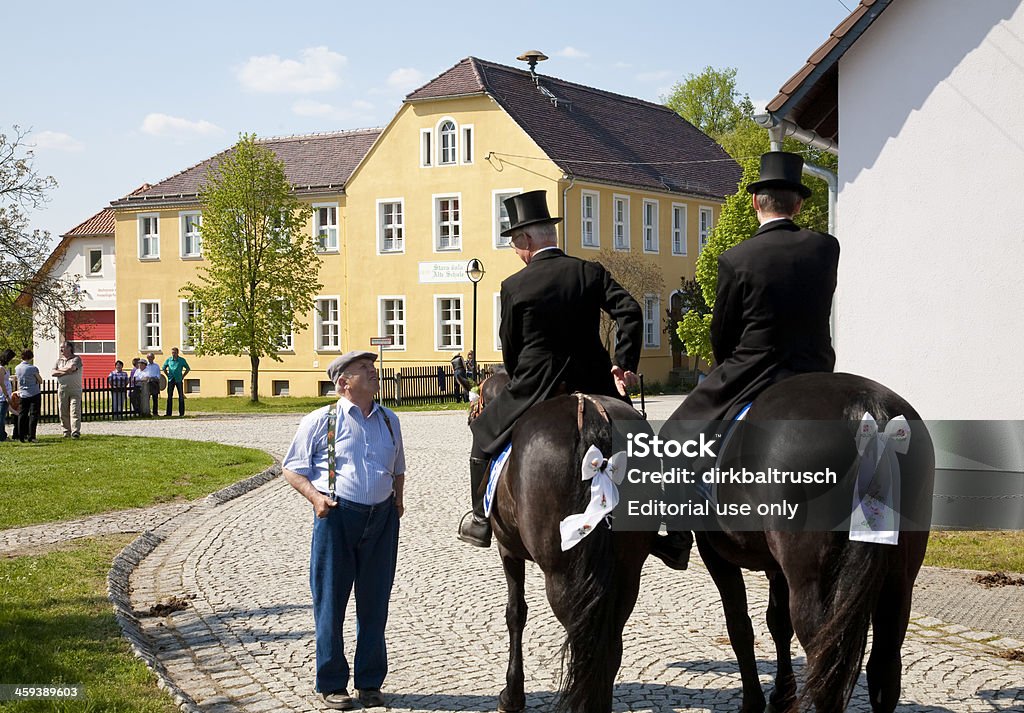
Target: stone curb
(119, 587)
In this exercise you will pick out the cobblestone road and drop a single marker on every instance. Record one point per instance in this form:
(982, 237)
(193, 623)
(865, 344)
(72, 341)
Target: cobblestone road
(245, 643)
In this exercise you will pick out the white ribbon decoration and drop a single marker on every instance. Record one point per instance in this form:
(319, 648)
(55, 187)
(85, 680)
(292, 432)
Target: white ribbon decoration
(876, 493)
(604, 475)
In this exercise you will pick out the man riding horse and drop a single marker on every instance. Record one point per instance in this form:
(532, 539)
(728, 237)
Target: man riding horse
(772, 308)
(550, 339)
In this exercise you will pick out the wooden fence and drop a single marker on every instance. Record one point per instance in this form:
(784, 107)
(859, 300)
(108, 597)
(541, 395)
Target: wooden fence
(413, 385)
(100, 401)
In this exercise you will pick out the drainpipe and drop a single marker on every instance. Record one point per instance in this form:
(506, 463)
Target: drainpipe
(565, 211)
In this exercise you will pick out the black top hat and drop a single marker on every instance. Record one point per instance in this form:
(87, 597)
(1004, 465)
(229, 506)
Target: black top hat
(781, 169)
(530, 208)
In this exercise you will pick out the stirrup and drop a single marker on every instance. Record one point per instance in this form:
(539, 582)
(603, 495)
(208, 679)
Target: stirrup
(482, 539)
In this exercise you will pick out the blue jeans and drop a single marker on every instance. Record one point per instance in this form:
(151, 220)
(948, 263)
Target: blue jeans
(171, 386)
(354, 545)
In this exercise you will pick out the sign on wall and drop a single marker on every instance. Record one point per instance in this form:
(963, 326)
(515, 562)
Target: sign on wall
(433, 272)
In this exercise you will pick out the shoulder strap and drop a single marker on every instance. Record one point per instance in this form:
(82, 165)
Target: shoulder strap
(332, 422)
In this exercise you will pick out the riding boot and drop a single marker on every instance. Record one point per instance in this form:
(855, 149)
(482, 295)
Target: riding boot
(673, 549)
(475, 528)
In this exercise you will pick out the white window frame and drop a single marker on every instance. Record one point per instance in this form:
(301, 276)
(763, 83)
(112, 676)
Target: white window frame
(679, 233)
(288, 345)
(382, 323)
(319, 322)
(140, 219)
(652, 325)
(438, 324)
(497, 204)
(702, 236)
(652, 241)
(624, 247)
(144, 345)
(426, 148)
(594, 220)
(439, 142)
(381, 202)
(183, 234)
(317, 207)
(436, 199)
(183, 323)
(467, 150)
(88, 260)
(497, 322)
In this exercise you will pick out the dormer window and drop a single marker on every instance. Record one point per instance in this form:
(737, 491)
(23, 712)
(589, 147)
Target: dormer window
(447, 142)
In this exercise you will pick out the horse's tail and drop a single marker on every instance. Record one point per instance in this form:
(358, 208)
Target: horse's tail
(835, 654)
(590, 593)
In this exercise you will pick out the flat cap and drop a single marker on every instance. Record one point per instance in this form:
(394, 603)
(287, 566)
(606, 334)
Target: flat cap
(337, 367)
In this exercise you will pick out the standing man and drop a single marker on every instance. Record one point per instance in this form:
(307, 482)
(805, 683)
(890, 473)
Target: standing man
(461, 377)
(176, 369)
(68, 371)
(772, 310)
(151, 380)
(550, 339)
(347, 459)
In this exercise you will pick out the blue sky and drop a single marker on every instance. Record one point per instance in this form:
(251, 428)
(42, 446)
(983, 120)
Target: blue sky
(117, 94)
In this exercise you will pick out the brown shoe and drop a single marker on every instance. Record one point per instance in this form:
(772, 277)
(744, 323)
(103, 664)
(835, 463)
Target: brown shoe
(340, 700)
(372, 698)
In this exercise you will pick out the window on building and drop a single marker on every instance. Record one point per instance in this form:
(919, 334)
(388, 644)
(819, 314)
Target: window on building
(426, 158)
(620, 222)
(707, 217)
(279, 387)
(497, 321)
(94, 262)
(149, 237)
(392, 320)
(446, 141)
(589, 211)
(328, 324)
(651, 227)
(190, 234)
(448, 223)
(652, 321)
(149, 325)
(325, 227)
(286, 340)
(391, 226)
(191, 386)
(467, 144)
(236, 387)
(190, 316)
(678, 229)
(326, 388)
(501, 221)
(449, 322)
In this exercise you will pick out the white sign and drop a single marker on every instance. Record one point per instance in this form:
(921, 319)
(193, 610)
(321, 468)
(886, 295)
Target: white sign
(443, 272)
(382, 341)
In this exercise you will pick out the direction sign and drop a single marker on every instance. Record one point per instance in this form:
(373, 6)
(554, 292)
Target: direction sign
(382, 341)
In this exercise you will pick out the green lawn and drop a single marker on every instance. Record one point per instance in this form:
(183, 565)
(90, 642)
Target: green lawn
(56, 626)
(1001, 551)
(59, 479)
(286, 404)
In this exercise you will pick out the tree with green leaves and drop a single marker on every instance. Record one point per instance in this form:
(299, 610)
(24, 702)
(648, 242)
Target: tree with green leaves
(23, 251)
(710, 101)
(689, 299)
(637, 276)
(261, 267)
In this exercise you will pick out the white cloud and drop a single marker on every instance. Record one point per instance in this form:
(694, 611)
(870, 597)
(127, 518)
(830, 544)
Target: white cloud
(174, 127)
(570, 52)
(659, 75)
(56, 141)
(405, 79)
(319, 69)
(358, 109)
(760, 104)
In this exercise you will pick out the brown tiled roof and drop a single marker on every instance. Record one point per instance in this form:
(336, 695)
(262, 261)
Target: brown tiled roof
(810, 98)
(100, 224)
(597, 135)
(311, 161)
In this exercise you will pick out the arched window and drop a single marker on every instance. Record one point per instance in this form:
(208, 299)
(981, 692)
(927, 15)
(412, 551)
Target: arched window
(447, 143)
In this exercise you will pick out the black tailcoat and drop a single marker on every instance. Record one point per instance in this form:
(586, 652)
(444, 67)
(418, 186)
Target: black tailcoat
(550, 336)
(771, 317)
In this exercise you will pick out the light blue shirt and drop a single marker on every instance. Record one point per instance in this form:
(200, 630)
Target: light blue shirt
(366, 456)
(27, 384)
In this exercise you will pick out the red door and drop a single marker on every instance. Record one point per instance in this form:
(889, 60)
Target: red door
(92, 332)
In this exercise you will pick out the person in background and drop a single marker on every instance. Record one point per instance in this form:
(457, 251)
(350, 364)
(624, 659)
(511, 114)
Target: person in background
(68, 371)
(461, 377)
(135, 385)
(30, 383)
(118, 381)
(5, 391)
(151, 380)
(471, 366)
(176, 369)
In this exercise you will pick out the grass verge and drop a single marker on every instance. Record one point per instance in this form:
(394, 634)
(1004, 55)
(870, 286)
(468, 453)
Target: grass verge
(56, 626)
(287, 404)
(997, 551)
(59, 479)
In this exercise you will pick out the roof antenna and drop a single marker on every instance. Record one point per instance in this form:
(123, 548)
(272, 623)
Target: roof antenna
(533, 56)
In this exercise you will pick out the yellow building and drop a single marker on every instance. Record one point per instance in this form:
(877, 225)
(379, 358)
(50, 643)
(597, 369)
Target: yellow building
(399, 212)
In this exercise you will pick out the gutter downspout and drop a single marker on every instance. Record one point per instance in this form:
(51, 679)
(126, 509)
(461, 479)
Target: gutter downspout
(779, 129)
(565, 210)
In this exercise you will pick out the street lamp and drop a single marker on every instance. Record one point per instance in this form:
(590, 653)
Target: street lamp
(475, 273)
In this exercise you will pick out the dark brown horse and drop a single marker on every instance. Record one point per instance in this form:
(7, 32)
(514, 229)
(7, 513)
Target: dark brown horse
(593, 586)
(825, 587)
